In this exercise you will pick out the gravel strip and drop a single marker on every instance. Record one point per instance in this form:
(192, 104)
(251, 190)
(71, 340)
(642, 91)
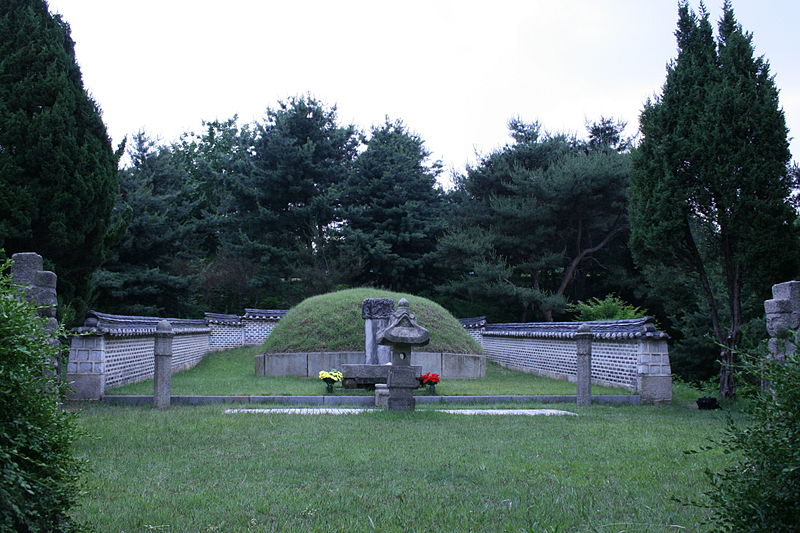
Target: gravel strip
(330, 411)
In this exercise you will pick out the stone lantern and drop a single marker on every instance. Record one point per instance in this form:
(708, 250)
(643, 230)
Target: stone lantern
(402, 334)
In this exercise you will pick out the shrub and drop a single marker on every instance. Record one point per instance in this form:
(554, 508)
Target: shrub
(760, 490)
(38, 473)
(609, 308)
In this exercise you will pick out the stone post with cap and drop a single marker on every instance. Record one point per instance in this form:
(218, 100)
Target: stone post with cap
(162, 374)
(583, 350)
(27, 272)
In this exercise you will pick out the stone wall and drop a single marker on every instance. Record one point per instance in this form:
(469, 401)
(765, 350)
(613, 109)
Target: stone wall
(113, 350)
(259, 323)
(474, 327)
(625, 353)
(227, 331)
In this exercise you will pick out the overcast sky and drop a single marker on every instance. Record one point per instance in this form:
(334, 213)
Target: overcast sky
(453, 71)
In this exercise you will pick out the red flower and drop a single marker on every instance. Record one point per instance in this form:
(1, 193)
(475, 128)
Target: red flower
(429, 378)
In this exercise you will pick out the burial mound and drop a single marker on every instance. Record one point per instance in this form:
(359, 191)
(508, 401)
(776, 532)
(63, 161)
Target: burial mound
(332, 323)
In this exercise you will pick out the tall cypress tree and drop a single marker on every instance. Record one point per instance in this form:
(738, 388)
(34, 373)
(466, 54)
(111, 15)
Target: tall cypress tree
(710, 188)
(58, 171)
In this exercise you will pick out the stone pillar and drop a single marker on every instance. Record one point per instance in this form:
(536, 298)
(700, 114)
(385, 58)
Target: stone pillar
(654, 374)
(583, 350)
(162, 373)
(381, 395)
(40, 289)
(375, 312)
(86, 370)
(783, 317)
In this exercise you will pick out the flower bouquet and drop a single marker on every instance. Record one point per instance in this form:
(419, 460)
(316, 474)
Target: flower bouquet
(330, 378)
(430, 379)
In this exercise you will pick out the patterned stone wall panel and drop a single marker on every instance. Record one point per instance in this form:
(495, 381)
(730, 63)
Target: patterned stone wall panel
(188, 350)
(256, 331)
(224, 336)
(613, 363)
(476, 334)
(129, 359)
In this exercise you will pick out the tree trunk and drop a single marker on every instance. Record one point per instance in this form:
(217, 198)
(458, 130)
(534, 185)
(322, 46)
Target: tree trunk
(727, 371)
(727, 381)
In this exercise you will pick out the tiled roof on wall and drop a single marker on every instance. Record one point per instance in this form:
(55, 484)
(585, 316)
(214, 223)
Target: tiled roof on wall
(635, 328)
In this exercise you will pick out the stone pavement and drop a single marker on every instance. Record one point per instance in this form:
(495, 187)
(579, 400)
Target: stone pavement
(333, 411)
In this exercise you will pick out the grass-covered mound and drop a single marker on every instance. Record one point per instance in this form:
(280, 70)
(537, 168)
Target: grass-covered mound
(332, 323)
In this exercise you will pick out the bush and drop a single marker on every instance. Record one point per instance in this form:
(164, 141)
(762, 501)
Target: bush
(38, 473)
(760, 491)
(609, 308)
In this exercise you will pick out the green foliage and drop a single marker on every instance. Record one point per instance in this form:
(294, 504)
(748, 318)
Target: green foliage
(332, 322)
(393, 211)
(38, 472)
(148, 270)
(287, 212)
(611, 307)
(57, 167)
(711, 193)
(760, 490)
(267, 214)
(537, 219)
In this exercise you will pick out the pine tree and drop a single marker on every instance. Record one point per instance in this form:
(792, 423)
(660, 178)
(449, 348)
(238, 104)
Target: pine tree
(149, 269)
(57, 167)
(536, 218)
(710, 189)
(288, 205)
(393, 210)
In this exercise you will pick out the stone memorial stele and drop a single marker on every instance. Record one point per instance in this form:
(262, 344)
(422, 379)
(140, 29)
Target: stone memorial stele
(375, 312)
(401, 334)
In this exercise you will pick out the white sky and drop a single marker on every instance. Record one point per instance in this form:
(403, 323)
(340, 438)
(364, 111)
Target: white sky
(454, 71)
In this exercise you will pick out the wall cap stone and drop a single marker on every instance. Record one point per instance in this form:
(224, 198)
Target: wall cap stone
(635, 328)
(135, 326)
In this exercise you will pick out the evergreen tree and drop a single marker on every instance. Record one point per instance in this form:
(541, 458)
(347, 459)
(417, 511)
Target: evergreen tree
(287, 208)
(151, 268)
(393, 211)
(710, 195)
(537, 216)
(57, 168)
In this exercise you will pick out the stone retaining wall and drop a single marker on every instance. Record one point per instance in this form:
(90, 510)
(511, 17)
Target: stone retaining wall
(303, 364)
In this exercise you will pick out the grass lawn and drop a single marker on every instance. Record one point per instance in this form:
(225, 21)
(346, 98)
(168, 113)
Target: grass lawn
(195, 469)
(233, 373)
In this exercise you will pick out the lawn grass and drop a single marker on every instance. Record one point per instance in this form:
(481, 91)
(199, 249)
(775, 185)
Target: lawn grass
(232, 373)
(195, 469)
